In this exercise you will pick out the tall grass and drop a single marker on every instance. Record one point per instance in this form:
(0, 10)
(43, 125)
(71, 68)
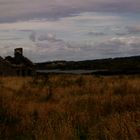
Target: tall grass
(66, 107)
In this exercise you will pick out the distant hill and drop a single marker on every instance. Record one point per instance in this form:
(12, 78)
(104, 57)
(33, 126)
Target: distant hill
(110, 64)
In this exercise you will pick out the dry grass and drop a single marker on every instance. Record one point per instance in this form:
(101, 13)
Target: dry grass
(66, 107)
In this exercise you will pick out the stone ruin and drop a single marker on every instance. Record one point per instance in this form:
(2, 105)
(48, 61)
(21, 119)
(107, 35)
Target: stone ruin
(18, 65)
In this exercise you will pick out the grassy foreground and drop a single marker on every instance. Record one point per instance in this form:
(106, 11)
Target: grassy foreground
(66, 107)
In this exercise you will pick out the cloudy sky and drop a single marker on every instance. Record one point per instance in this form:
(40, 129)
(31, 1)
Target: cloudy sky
(70, 29)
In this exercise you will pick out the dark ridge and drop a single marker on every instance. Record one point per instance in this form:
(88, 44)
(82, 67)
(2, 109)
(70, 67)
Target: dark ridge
(122, 63)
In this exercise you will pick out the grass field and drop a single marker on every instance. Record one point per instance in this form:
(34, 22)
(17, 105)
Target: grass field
(68, 107)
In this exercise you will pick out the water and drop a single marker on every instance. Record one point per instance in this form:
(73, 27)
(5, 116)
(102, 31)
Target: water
(68, 71)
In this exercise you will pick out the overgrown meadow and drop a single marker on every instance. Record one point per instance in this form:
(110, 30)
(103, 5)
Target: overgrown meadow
(70, 107)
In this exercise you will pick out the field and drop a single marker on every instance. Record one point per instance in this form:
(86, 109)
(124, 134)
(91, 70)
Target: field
(68, 107)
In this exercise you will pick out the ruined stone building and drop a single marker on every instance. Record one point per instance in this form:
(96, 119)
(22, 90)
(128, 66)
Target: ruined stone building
(18, 65)
(6, 68)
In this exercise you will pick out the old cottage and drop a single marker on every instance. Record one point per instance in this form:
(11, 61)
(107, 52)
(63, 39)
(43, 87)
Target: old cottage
(18, 65)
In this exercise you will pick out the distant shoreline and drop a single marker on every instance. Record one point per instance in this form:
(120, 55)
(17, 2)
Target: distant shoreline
(110, 66)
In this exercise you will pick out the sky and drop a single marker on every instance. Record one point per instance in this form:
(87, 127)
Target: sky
(51, 30)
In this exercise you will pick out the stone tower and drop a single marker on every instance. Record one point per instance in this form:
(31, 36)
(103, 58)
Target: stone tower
(18, 52)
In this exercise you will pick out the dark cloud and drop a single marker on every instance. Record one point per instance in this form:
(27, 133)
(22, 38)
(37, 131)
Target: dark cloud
(16, 10)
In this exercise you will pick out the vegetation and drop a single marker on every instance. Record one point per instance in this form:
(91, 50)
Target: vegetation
(68, 107)
(111, 64)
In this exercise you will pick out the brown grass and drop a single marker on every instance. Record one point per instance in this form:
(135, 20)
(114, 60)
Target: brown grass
(66, 107)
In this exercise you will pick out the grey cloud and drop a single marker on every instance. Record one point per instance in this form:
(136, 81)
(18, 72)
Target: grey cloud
(48, 37)
(133, 29)
(12, 38)
(33, 36)
(50, 49)
(111, 48)
(62, 50)
(26, 30)
(120, 46)
(55, 51)
(129, 30)
(95, 33)
(121, 34)
(15, 10)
